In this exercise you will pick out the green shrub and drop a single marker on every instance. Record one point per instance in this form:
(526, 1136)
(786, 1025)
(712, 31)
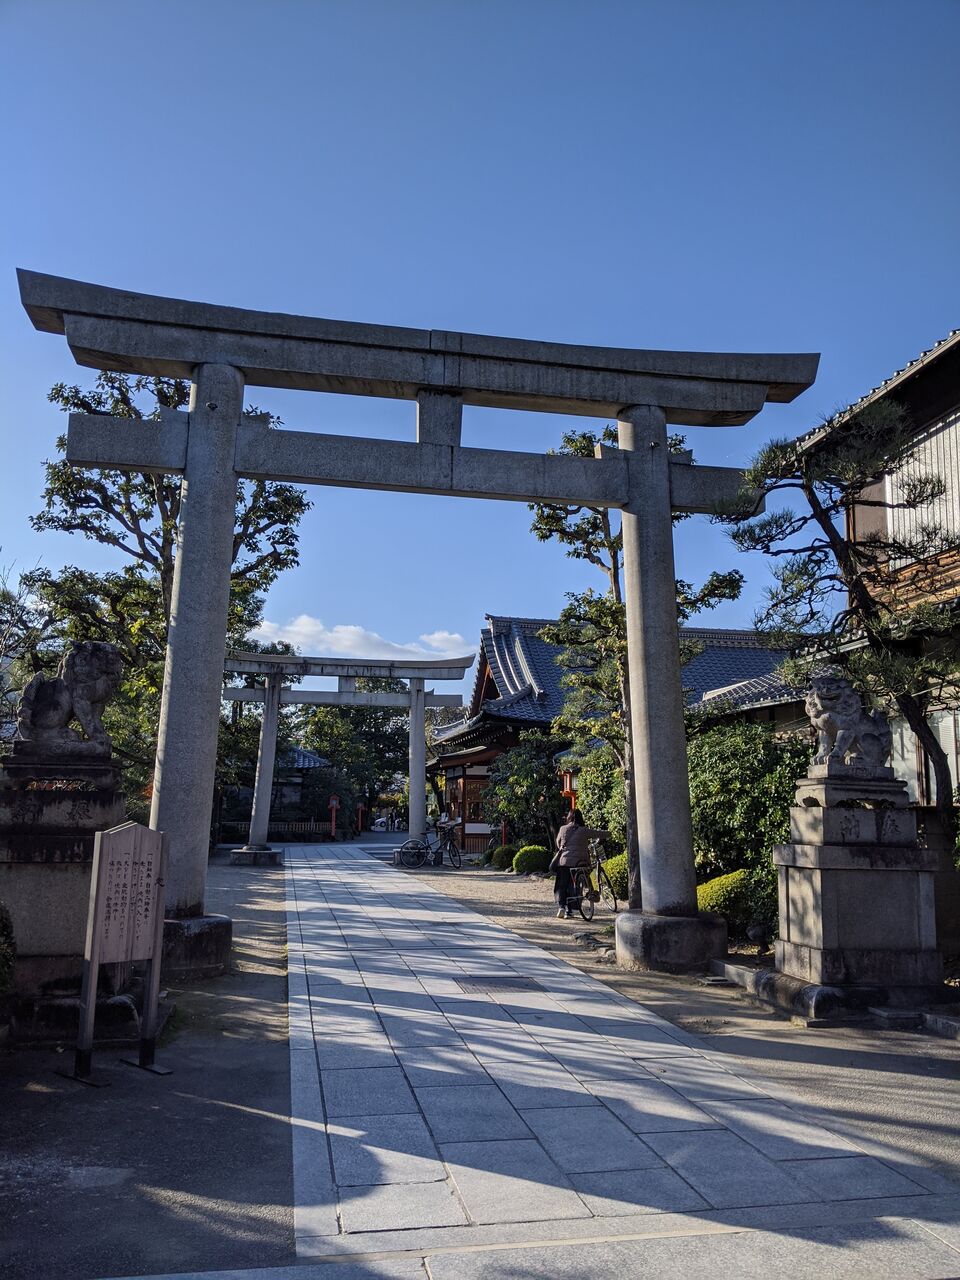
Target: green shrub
(742, 783)
(744, 897)
(616, 869)
(8, 949)
(502, 858)
(532, 857)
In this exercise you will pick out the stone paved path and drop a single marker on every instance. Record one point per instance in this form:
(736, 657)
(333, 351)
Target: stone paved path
(466, 1105)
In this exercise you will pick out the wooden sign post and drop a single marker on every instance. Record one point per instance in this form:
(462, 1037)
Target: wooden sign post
(124, 924)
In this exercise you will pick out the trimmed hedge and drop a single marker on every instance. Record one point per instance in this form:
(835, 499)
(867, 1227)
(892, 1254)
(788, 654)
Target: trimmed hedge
(8, 949)
(532, 857)
(744, 897)
(502, 859)
(616, 869)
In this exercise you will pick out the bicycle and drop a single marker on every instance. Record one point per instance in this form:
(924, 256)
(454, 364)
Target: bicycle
(414, 853)
(600, 882)
(583, 894)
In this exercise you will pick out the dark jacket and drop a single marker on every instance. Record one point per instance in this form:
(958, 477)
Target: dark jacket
(573, 843)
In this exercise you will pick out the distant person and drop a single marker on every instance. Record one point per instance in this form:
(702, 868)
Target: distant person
(573, 847)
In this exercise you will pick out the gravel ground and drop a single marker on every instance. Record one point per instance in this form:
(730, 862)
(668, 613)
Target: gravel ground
(184, 1172)
(898, 1087)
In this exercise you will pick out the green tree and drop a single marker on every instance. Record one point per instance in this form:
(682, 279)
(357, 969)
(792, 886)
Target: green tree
(742, 784)
(523, 789)
(137, 515)
(369, 745)
(837, 594)
(591, 631)
(600, 793)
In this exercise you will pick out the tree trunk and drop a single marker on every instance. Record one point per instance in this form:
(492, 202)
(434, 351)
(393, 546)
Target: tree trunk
(912, 711)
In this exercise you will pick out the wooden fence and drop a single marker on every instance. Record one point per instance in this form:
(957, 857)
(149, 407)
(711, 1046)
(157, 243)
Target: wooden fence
(296, 832)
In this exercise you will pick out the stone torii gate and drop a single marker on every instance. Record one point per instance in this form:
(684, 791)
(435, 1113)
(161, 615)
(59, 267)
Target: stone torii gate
(275, 668)
(221, 349)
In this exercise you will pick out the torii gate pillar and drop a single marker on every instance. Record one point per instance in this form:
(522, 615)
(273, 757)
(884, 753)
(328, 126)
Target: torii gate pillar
(667, 934)
(266, 757)
(418, 763)
(196, 639)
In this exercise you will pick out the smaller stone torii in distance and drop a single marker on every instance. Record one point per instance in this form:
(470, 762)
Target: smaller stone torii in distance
(275, 668)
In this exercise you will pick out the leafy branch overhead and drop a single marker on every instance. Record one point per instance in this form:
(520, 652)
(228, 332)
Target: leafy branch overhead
(137, 513)
(862, 563)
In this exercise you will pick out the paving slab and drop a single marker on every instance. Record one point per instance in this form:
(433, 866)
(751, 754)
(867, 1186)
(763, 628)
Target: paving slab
(400, 1207)
(891, 1249)
(702, 1081)
(540, 1084)
(588, 1139)
(539, 1106)
(354, 1053)
(778, 1131)
(369, 1091)
(512, 1181)
(446, 1065)
(470, 1112)
(726, 1170)
(645, 1189)
(851, 1178)
(647, 1106)
(372, 1149)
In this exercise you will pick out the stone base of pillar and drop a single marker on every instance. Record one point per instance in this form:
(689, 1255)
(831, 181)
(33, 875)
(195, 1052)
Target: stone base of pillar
(196, 947)
(252, 853)
(669, 944)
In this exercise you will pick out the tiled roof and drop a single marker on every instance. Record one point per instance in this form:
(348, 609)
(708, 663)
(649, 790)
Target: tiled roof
(759, 692)
(924, 358)
(524, 669)
(726, 658)
(302, 758)
(527, 677)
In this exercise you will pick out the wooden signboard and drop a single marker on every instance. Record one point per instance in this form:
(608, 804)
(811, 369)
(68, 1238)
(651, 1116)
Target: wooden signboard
(124, 924)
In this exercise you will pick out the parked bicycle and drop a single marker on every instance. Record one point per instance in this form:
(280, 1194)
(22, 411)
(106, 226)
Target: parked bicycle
(414, 853)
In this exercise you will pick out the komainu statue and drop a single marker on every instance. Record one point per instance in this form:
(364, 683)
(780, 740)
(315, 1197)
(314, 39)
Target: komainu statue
(846, 732)
(87, 679)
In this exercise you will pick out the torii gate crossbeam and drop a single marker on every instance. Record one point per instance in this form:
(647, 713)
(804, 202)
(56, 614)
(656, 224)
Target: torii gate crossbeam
(223, 348)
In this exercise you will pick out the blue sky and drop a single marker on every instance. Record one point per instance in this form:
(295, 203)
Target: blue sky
(698, 175)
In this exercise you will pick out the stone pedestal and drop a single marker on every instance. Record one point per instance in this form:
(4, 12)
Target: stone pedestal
(50, 811)
(856, 890)
(669, 944)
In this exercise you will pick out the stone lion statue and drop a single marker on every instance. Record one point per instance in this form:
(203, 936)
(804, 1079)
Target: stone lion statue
(87, 679)
(846, 731)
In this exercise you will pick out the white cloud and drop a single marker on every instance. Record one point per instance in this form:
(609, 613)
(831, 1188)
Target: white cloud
(314, 639)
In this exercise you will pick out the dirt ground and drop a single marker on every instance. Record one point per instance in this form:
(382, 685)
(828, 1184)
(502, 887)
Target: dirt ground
(184, 1172)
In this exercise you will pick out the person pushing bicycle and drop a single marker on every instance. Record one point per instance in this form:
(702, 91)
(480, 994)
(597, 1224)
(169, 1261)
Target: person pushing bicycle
(573, 850)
